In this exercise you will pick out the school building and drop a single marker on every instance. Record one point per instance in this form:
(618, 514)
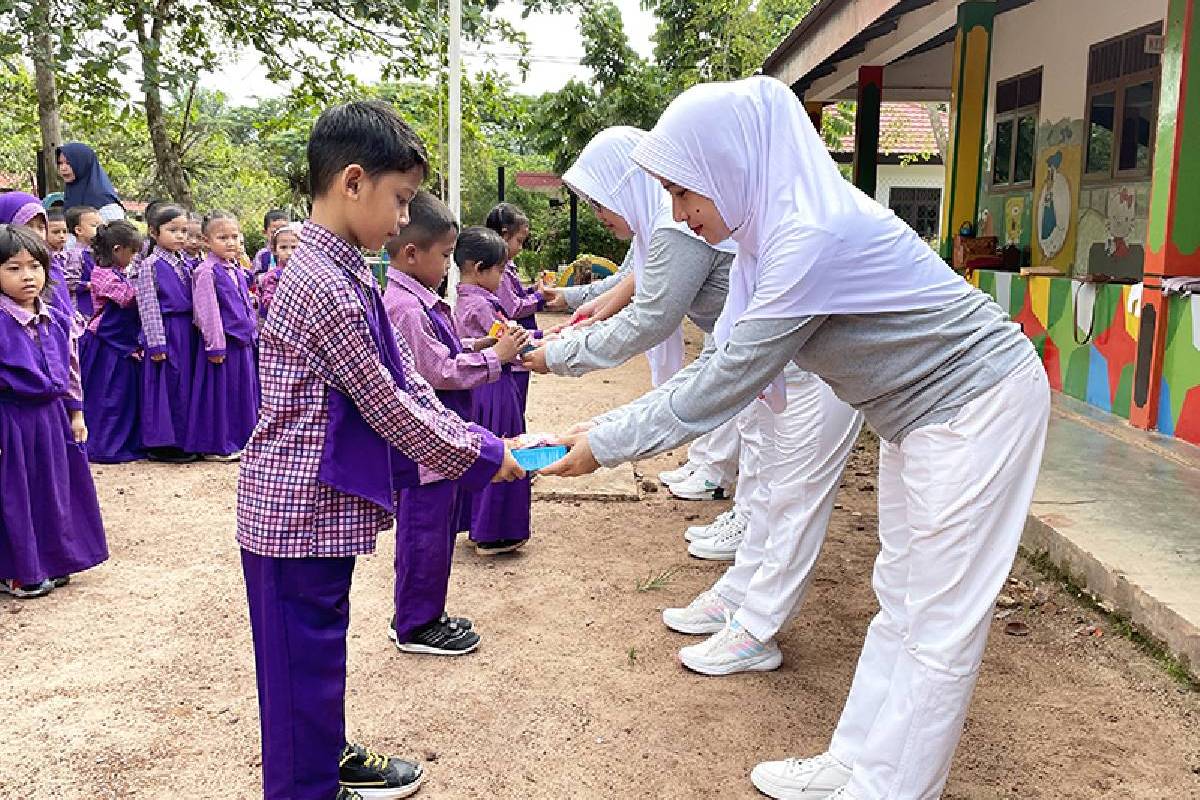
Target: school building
(1072, 167)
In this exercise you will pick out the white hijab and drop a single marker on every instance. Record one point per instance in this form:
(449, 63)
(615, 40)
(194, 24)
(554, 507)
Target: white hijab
(809, 242)
(605, 173)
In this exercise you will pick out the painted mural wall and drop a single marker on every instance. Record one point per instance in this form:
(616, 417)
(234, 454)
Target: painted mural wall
(1086, 335)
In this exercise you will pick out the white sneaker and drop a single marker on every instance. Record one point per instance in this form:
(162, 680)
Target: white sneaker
(722, 544)
(731, 650)
(817, 778)
(695, 532)
(697, 487)
(706, 614)
(677, 475)
(842, 794)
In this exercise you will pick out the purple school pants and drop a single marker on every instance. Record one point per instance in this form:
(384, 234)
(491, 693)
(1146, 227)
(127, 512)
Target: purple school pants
(424, 550)
(299, 614)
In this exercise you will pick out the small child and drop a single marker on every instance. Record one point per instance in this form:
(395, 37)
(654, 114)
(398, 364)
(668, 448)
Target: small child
(418, 259)
(500, 513)
(224, 401)
(82, 222)
(110, 352)
(164, 298)
(22, 208)
(193, 249)
(284, 242)
(50, 523)
(56, 231)
(518, 301)
(273, 220)
(345, 419)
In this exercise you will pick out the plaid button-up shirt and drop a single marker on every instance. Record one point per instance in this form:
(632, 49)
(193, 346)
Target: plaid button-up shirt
(317, 337)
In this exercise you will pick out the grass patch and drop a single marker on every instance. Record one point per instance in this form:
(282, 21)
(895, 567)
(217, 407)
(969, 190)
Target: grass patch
(1117, 622)
(655, 581)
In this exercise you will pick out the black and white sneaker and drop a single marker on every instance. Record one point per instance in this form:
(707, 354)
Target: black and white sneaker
(446, 619)
(499, 546)
(442, 637)
(60, 581)
(347, 794)
(27, 591)
(370, 776)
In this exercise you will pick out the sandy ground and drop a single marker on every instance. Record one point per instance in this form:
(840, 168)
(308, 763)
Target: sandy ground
(137, 680)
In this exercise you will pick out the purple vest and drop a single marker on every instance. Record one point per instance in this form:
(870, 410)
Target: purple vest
(34, 372)
(233, 298)
(120, 328)
(60, 296)
(457, 400)
(83, 297)
(357, 460)
(174, 295)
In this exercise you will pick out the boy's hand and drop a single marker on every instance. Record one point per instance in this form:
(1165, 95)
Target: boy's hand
(159, 357)
(578, 461)
(216, 359)
(535, 361)
(509, 470)
(480, 345)
(78, 427)
(553, 298)
(510, 343)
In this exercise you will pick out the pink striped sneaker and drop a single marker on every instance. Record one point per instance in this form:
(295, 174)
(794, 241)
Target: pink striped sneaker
(704, 615)
(731, 650)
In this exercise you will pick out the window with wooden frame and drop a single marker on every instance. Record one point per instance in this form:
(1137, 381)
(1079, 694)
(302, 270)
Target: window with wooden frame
(1122, 106)
(1018, 101)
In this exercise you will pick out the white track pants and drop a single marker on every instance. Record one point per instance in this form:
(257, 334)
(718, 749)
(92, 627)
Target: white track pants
(953, 499)
(791, 467)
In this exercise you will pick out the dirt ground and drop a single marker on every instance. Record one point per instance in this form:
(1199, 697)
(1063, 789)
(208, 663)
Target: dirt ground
(137, 680)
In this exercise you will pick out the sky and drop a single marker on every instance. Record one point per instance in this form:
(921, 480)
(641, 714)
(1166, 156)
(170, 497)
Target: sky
(555, 50)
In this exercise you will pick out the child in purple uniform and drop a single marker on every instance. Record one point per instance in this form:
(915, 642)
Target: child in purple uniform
(82, 222)
(49, 519)
(283, 243)
(110, 351)
(426, 515)
(164, 298)
(224, 401)
(264, 259)
(22, 208)
(193, 248)
(518, 301)
(345, 421)
(499, 514)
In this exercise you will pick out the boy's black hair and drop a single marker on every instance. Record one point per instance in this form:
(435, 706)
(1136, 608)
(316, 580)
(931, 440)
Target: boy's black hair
(164, 212)
(213, 216)
(113, 234)
(15, 238)
(75, 214)
(505, 218)
(55, 214)
(368, 133)
(274, 215)
(429, 221)
(481, 245)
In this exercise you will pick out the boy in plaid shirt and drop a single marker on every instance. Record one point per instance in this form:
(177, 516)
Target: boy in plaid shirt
(345, 421)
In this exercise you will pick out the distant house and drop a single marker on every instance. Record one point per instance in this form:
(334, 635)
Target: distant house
(910, 170)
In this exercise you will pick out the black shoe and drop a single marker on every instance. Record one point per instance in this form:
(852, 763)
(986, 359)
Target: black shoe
(27, 591)
(437, 638)
(374, 777)
(499, 546)
(170, 455)
(446, 619)
(60, 581)
(347, 794)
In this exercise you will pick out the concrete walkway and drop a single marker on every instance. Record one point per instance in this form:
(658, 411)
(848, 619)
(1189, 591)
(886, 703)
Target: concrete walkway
(1119, 510)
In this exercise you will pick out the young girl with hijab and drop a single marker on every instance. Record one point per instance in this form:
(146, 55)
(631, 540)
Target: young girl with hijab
(827, 278)
(22, 208)
(50, 520)
(500, 521)
(164, 299)
(224, 399)
(792, 458)
(86, 183)
(518, 301)
(110, 352)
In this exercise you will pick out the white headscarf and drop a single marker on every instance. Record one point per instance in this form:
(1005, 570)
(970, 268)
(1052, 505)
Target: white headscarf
(605, 173)
(809, 242)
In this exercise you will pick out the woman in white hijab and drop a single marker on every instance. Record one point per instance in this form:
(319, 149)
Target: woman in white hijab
(792, 461)
(828, 279)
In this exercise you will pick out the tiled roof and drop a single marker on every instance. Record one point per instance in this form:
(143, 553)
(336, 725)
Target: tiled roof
(904, 128)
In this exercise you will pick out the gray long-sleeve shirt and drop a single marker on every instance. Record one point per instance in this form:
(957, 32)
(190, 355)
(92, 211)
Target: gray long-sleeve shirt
(682, 276)
(903, 370)
(575, 296)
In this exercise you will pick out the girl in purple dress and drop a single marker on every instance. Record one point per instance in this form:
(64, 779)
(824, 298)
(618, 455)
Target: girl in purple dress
(518, 301)
(164, 299)
(283, 243)
(49, 520)
(500, 512)
(110, 352)
(224, 402)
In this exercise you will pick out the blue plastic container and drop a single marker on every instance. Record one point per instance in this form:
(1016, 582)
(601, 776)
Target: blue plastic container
(532, 459)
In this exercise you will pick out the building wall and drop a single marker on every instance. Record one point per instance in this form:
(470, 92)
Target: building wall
(908, 176)
(1058, 314)
(1101, 219)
